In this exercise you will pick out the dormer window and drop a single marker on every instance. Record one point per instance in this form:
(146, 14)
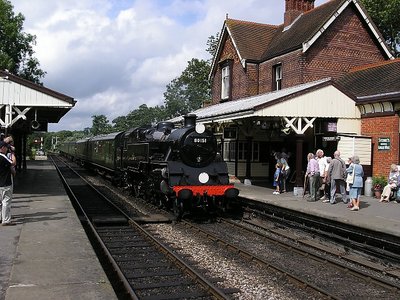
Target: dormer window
(277, 77)
(226, 80)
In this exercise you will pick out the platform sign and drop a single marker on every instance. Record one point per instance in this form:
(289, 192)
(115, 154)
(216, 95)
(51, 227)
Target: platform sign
(330, 138)
(383, 144)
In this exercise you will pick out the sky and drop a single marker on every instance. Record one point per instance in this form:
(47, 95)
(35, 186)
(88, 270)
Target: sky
(112, 56)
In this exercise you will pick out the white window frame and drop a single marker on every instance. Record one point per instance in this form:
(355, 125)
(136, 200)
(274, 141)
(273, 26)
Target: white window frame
(277, 69)
(225, 82)
(230, 151)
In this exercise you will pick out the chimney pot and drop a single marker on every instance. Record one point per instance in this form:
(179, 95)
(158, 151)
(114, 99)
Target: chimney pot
(295, 8)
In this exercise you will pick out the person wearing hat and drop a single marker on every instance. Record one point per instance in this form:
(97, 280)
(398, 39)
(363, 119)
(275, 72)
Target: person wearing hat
(6, 171)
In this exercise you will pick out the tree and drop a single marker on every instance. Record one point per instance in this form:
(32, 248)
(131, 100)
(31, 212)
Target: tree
(16, 53)
(145, 115)
(120, 123)
(100, 125)
(212, 44)
(188, 91)
(386, 16)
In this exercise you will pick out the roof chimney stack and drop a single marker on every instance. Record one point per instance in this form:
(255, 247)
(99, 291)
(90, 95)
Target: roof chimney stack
(295, 8)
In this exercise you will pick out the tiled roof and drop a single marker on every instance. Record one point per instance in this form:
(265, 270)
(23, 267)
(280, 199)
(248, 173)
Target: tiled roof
(251, 38)
(305, 27)
(257, 41)
(261, 42)
(372, 80)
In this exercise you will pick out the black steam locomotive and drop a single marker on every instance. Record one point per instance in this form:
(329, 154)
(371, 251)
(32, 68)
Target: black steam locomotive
(178, 168)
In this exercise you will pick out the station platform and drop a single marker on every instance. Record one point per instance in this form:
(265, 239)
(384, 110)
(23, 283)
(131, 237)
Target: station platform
(47, 255)
(373, 215)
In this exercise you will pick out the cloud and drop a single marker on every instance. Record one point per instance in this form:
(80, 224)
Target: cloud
(114, 55)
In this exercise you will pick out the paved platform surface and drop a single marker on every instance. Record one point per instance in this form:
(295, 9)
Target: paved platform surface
(47, 254)
(374, 215)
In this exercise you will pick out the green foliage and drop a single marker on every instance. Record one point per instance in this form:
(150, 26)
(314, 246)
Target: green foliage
(16, 52)
(386, 16)
(379, 182)
(187, 92)
(100, 125)
(212, 44)
(51, 140)
(143, 115)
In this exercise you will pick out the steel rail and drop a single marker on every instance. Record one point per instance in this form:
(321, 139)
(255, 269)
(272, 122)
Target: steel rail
(127, 287)
(376, 243)
(353, 270)
(206, 284)
(209, 287)
(244, 253)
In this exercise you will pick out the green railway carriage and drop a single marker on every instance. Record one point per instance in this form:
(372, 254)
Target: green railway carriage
(68, 149)
(81, 149)
(102, 151)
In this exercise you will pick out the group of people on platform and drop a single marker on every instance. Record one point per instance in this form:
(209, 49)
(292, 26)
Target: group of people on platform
(7, 172)
(326, 175)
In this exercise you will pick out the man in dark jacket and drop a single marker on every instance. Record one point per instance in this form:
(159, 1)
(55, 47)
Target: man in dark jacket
(336, 173)
(6, 165)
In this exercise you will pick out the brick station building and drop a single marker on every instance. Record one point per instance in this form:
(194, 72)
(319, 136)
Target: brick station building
(324, 78)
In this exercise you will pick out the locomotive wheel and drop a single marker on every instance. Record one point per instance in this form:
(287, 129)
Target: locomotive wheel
(178, 208)
(165, 202)
(138, 191)
(135, 190)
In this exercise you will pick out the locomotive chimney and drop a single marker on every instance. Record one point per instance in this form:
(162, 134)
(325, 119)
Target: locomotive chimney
(295, 8)
(190, 120)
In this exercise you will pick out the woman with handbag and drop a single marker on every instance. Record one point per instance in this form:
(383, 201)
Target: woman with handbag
(357, 184)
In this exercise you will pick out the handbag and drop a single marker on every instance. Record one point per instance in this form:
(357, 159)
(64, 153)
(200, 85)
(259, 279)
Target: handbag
(350, 177)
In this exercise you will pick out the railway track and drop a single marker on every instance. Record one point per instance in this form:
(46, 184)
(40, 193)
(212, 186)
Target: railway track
(310, 268)
(377, 244)
(139, 265)
(350, 266)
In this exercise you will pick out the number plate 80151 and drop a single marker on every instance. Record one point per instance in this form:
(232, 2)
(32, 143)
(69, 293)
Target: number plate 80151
(200, 140)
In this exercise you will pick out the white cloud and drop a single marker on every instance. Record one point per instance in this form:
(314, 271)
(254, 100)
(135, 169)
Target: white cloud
(114, 55)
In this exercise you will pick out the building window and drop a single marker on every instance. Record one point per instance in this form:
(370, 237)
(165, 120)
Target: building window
(226, 80)
(230, 151)
(277, 77)
(225, 84)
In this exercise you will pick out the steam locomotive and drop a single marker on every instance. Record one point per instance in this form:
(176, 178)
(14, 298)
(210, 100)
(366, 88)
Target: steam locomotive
(178, 168)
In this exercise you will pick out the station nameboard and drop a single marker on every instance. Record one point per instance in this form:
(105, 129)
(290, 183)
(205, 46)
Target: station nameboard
(330, 138)
(384, 143)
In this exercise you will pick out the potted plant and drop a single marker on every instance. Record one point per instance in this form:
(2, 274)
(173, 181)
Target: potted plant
(378, 183)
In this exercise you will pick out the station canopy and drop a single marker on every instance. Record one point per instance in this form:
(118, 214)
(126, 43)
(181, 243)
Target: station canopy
(27, 106)
(318, 99)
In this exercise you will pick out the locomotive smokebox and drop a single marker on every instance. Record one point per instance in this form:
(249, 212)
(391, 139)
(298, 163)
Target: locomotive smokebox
(190, 120)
